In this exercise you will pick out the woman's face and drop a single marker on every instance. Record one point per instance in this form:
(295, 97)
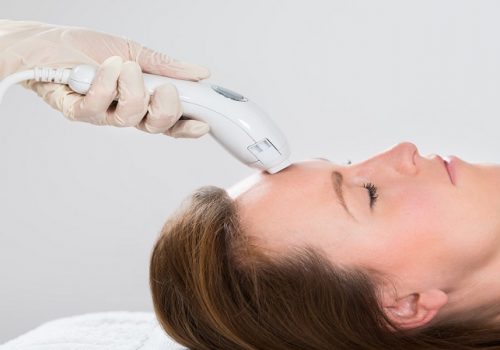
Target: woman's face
(423, 230)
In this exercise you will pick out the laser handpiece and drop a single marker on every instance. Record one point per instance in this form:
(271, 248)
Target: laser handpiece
(236, 123)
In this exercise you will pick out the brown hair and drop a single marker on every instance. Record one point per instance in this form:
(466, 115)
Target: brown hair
(213, 288)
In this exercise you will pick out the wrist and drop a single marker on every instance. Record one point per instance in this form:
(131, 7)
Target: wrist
(13, 36)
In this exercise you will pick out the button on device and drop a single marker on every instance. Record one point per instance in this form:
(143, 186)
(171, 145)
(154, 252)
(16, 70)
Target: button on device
(229, 94)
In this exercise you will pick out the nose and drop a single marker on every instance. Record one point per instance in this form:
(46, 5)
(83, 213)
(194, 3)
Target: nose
(400, 158)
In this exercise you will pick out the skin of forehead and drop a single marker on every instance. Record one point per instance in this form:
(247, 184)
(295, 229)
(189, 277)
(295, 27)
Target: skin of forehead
(250, 182)
(287, 204)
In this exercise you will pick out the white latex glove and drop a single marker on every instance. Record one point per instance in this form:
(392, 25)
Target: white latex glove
(24, 45)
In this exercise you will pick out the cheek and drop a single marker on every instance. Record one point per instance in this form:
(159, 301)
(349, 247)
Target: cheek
(416, 225)
(425, 228)
(448, 225)
(411, 229)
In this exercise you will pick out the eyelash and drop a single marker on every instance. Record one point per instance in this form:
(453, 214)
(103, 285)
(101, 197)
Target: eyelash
(372, 189)
(372, 192)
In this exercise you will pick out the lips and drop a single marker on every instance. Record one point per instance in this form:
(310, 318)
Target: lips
(451, 167)
(448, 167)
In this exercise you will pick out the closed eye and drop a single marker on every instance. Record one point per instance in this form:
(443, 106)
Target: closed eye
(372, 193)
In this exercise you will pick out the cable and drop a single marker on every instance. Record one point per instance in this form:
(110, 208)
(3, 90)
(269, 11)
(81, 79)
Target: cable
(14, 79)
(45, 74)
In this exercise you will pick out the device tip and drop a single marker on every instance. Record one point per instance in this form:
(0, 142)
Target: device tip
(284, 164)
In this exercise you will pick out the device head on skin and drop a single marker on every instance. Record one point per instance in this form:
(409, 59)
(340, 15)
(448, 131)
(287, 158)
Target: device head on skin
(236, 123)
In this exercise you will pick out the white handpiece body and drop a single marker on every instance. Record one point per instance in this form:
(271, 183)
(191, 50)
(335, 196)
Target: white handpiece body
(236, 123)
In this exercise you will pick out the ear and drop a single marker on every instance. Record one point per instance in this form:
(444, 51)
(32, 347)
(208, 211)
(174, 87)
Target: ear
(415, 310)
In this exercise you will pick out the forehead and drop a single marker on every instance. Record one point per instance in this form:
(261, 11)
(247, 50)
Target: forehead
(281, 208)
(291, 175)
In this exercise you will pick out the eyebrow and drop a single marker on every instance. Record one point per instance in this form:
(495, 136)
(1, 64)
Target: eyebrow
(337, 182)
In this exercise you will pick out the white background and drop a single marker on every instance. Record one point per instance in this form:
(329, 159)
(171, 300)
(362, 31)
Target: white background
(81, 206)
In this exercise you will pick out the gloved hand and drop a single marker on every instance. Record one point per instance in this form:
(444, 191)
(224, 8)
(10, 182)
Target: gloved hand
(24, 45)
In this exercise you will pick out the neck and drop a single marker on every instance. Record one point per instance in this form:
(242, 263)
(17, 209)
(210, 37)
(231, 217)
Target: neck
(476, 296)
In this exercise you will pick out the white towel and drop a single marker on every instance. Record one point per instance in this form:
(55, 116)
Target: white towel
(97, 331)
